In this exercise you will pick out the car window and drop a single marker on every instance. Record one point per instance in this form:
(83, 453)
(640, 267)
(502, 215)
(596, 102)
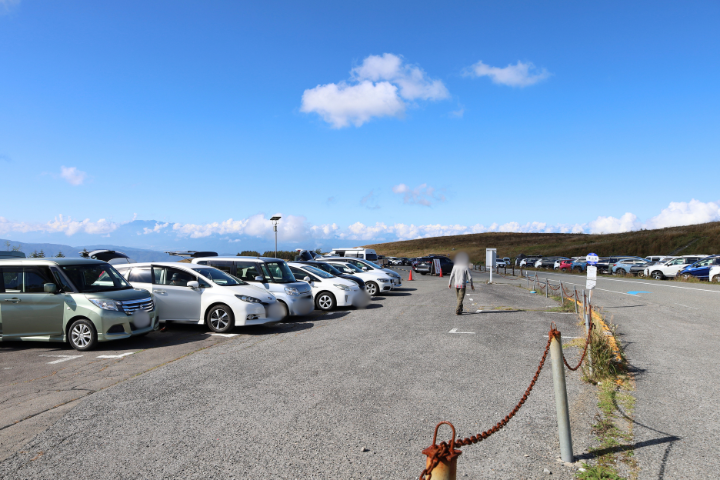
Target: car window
(279, 272)
(13, 279)
(95, 278)
(36, 278)
(224, 266)
(317, 271)
(704, 263)
(140, 275)
(247, 271)
(218, 277)
(172, 277)
(61, 281)
(371, 256)
(301, 274)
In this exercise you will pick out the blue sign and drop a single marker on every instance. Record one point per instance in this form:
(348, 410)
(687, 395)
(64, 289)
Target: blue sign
(592, 259)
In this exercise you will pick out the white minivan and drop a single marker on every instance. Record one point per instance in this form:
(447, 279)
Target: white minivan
(328, 290)
(272, 274)
(188, 293)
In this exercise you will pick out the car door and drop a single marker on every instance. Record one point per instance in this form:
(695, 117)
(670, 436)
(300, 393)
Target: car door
(174, 299)
(315, 282)
(25, 308)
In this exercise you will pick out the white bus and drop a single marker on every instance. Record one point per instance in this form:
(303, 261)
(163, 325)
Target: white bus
(357, 252)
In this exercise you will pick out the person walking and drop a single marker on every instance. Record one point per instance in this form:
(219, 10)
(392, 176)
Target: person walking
(460, 276)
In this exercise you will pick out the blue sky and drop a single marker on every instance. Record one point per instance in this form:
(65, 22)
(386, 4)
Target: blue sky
(363, 122)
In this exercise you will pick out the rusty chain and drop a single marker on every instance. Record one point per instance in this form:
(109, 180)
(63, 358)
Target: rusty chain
(587, 342)
(444, 448)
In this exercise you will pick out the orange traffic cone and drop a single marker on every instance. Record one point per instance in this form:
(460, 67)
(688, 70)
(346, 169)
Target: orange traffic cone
(441, 271)
(410, 276)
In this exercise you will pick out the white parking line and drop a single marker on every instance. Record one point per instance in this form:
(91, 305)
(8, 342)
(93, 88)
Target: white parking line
(228, 335)
(116, 356)
(454, 330)
(659, 283)
(63, 358)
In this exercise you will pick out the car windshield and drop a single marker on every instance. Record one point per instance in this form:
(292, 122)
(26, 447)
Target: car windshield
(330, 269)
(317, 271)
(95, 278)
(219, 277)
(278, 272)
(353, 267)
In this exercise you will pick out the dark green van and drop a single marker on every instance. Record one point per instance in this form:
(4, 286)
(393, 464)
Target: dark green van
(75, 300)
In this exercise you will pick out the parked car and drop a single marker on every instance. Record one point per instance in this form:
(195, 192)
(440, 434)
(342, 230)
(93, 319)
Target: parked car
(333, 270)
(272, 274)
(622, 267)
(605, 263)
(499, 262)
(109, 256)
(579, 265)
(670, 268)
(548, 262)
(328, 290)
(566, 265)
(426, 265)
(358, 252)
(370, 266)
(4, 255)
(700, 269)
(714, 274)
(199, 294)
(75, 300)
(556, 264)
(375, 280)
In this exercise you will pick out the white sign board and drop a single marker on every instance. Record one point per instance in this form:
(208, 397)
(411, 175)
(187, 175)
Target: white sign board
(436, 264)
(591, 277)
(490, 256)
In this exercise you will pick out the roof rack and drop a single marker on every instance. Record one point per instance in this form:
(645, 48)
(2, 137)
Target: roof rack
(193, 254)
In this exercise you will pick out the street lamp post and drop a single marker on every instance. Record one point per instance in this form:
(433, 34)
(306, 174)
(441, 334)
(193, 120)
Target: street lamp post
(275, 221)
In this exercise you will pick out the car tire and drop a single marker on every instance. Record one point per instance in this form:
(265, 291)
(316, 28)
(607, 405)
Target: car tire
(220, 319)
(657, 275)
(619, 272)
(372, 288)
(325, 301)
(716, 279)
(82, 335)
(285, 311)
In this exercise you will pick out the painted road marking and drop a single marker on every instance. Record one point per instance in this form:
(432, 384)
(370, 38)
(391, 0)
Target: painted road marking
(692, 308)
(63, 358)
(227, 335)
(637, 292)
(116, 356)
(454, 330)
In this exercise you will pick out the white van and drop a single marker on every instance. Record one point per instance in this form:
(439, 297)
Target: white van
(357, 252)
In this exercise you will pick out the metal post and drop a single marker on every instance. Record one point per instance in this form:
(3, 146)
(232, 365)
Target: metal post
(585, 317)
(575, 300)
(275, 240)
(490, 274)
(547, 288)
(562, 295)
(561, 403)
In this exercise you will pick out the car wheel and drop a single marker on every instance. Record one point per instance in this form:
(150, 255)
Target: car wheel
(82, 335)
(372, 288)
(619, 272)
(657, 275)
(325, 301)
(283, 311)
(716, 279)
(220, 319)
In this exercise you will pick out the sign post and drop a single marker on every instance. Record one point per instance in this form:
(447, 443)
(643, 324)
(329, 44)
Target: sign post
(436, 265)
(490, 256)
(590, 283)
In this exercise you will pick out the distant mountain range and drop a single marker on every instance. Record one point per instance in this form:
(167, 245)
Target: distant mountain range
(52, 249)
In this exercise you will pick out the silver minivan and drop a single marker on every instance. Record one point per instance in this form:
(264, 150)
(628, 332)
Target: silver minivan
(273, 274)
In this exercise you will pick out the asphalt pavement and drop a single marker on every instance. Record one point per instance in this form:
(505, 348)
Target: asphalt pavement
(348, 394)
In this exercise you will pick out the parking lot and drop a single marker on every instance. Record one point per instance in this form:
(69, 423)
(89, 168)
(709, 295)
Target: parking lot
(346, 394)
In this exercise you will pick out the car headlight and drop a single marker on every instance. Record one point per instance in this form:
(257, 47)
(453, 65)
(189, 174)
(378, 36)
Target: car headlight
(384, 280)
(292, 291)
(342, 287)
(246, 298)
(106, 304)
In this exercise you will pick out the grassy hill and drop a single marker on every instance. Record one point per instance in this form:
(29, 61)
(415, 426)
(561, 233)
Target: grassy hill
(703, 238)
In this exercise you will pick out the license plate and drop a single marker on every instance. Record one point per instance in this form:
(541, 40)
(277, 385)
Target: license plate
(141, 318)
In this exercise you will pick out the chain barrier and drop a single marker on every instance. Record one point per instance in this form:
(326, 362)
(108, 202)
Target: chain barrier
(587, 342)
(569, 295)
(444, 449)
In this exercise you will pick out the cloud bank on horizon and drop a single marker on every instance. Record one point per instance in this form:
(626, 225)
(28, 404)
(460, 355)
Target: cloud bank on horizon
(297, 228)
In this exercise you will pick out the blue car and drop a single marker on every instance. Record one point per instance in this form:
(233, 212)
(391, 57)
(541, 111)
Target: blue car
(579, 265)
(623, 266)
(701, 268)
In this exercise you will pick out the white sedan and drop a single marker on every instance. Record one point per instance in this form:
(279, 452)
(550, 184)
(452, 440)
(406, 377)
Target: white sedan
(328, 290)
(375, 280)
(191, 293)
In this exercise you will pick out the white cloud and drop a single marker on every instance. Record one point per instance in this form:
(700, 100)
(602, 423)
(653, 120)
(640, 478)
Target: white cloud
(6, 5)
(379, 87)
(60, 224)
(72, 175)
(685, 213)
(422, 195)
(156, 229)
(292, 228)
(518, 75)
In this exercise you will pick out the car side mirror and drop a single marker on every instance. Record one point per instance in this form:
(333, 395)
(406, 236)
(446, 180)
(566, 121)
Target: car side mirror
(50, 288)
(364, 268)
(259, 278)
(193, 284)
(307, 279)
